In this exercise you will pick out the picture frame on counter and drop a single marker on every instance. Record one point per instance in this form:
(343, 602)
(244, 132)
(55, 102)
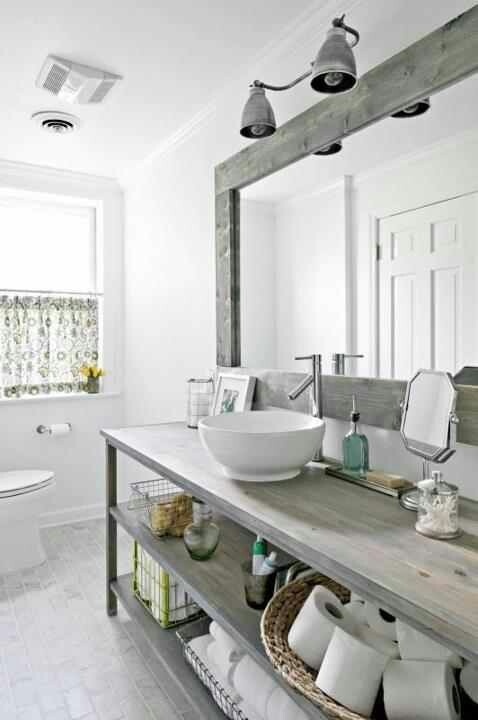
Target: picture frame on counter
(233, 393)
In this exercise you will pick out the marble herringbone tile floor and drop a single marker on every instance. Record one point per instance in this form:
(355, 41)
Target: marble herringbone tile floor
(61, 657)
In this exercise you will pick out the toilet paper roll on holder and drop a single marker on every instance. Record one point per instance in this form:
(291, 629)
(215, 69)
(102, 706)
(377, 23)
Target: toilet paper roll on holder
(47, 429)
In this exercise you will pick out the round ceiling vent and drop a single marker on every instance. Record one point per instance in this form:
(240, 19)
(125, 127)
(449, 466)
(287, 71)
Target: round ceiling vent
(56, 122)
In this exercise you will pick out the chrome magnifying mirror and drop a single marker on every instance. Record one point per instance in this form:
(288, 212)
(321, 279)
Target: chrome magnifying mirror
(428, 427)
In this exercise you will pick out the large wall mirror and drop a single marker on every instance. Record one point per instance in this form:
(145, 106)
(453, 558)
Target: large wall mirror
(371, 251)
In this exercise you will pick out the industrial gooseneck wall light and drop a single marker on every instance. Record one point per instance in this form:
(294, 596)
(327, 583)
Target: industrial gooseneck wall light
(333, 71)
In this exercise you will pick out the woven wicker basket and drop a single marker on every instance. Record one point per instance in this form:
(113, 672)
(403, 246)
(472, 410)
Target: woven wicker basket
(275, 625)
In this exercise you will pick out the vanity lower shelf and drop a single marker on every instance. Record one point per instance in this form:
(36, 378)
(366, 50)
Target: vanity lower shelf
(166, 649)
(216, 585)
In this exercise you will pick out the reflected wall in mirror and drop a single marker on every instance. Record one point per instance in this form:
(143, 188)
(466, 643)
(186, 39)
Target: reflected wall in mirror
(372, 250)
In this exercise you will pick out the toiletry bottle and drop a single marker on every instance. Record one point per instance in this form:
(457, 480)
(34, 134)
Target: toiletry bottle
(355, 445)
(269, 565)
(259, 551)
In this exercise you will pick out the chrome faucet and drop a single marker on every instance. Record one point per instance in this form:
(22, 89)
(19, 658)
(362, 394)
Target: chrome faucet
(314, 380)
(338, 362)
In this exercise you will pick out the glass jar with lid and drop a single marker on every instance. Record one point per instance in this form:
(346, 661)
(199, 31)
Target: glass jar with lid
(437, 514)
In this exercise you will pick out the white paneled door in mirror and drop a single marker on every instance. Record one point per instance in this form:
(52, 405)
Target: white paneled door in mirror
(427, 280)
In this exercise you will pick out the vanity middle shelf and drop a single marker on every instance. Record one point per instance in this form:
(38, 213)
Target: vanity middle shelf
(216, 585)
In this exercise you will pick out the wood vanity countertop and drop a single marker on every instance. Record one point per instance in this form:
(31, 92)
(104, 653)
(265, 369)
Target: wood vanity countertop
(359, 537)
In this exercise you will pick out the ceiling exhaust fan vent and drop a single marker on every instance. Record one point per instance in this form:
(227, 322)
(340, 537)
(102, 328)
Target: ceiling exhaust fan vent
(56, 122)
(74, 82)
(55, 78)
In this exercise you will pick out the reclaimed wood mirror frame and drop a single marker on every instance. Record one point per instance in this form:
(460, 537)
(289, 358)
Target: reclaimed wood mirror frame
(444, 57)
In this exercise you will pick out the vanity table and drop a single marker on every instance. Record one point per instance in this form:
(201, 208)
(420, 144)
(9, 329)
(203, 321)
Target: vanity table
(360, 538)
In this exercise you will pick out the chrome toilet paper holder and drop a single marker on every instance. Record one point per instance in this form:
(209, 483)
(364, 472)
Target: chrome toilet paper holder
(46, 429)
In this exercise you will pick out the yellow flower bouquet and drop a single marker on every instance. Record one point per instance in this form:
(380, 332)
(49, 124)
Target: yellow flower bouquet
(92, 373)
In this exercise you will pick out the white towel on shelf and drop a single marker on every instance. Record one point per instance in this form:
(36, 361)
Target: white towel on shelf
(253, 684)
(229, 651)
(200, 646)
(249, 712)
(280, 706)
(215, 655)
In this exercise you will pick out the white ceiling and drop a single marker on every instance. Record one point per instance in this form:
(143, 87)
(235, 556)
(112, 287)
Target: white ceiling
(174, 56)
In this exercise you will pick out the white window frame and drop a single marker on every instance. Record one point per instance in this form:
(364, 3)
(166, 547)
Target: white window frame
(97, 262)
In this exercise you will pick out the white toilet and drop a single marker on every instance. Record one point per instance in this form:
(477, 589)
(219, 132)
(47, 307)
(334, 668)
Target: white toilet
(24, 496)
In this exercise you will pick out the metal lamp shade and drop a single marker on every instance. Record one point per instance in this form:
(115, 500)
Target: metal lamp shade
(414, 110)
(334, 69)
(258, 119)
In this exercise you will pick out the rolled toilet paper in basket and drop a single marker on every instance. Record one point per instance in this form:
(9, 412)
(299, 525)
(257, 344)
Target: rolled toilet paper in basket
(356, 608)
(381, 621)
(253, 684)
(415, 645)
(281, 707)
(353, 666)
(420, 690)
(313, 627)
(228, 649)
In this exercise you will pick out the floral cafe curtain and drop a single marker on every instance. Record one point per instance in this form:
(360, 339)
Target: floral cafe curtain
(44, 341)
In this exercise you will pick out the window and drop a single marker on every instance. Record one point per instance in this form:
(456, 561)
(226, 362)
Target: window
(50, 304)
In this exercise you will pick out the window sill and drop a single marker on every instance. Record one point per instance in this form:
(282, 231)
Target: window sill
(68, 397)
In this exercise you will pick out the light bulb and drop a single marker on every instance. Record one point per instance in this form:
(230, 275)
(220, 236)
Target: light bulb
(333, 79)
(258, 130)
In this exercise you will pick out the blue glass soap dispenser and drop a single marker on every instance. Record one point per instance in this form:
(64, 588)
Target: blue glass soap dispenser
(355, 445)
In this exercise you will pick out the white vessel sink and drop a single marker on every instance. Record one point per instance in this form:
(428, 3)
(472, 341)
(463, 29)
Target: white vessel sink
(262, 445)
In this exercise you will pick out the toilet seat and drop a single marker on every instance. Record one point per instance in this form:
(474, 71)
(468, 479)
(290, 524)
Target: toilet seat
(19, 482)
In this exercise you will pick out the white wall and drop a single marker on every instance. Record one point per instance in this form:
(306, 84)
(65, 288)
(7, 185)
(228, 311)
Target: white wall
(311, 289)
(77, 459)
(258, 284)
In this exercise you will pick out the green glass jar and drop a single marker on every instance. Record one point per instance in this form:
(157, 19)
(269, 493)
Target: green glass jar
(201, 537)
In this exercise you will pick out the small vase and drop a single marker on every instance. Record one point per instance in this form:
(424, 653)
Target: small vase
(201, 537)
(92, 385)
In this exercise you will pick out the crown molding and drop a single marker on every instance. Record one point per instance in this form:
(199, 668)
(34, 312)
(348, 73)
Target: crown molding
(303, 32)
(20, 171)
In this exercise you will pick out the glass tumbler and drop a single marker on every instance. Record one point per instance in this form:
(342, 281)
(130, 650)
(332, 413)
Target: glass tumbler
(200, 394)
(259, 589)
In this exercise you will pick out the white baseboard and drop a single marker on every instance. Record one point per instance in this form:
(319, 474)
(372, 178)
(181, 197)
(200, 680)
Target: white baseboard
(72, 515)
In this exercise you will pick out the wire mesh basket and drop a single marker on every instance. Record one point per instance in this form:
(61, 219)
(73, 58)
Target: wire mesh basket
(196, 629)
(163, 507)
(160, 592)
